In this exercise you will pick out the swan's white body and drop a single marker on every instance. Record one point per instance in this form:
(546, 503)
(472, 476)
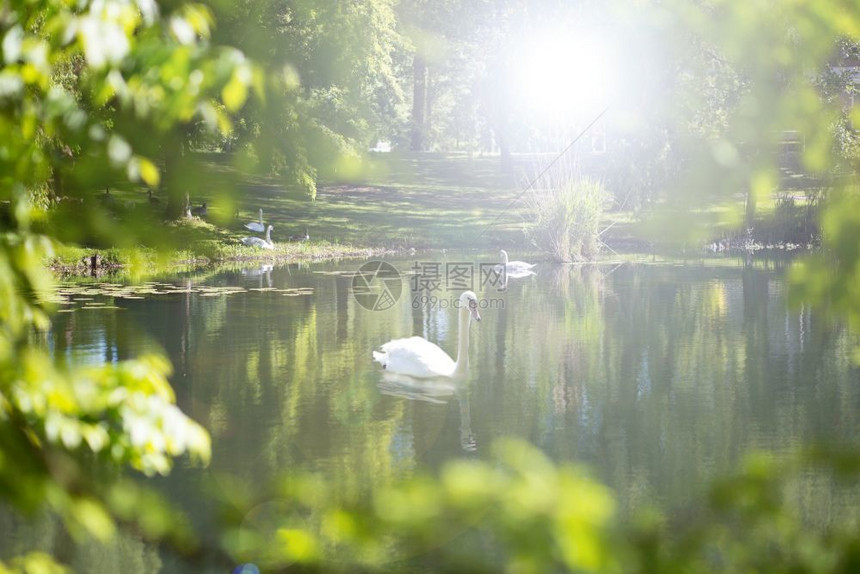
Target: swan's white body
(256, 226)
(258, 242)
(418, 357)
(513, 267)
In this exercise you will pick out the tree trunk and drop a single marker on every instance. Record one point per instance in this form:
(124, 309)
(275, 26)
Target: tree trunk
(504, 151)
(419, 102)
(749, 215)
(429, 100)
(56, 188)
(60, 154)
(177, 200)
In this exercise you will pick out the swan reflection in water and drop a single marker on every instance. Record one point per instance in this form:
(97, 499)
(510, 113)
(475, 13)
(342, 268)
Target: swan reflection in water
(508, 275)
(264, 271)
(435, 391)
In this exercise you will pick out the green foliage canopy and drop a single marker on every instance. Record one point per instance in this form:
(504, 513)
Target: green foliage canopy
(341, 90)
(519, 512)
(88, 85)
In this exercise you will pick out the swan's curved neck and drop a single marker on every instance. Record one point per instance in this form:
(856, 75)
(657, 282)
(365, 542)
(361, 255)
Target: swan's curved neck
(505, 256)
(269, 235)
(462, 364)
(261, 217)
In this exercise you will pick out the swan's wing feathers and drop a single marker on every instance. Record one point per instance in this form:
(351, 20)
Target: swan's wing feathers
(255, 226)
(414, 356)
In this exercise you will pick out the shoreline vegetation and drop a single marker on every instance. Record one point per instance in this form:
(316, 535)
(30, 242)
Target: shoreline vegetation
(401, 204)
(80, 261)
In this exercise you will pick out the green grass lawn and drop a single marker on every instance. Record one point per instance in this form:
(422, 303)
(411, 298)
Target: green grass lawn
(397, 202)
(392, 202)
(400, 201)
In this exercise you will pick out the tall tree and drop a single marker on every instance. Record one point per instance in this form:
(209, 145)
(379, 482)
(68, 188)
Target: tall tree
(419, 104)
(341, 90)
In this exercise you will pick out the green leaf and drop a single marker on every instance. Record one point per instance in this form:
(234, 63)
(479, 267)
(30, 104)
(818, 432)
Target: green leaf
(148, 172)
(94, 518)
(234, 93)
(297, 545)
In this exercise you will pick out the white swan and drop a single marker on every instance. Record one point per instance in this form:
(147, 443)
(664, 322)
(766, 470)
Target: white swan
(261, 243)
(513, 267)
(256, 226)
(418, 357)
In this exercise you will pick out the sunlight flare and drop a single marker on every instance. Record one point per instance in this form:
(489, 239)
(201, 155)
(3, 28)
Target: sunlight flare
(563, 73)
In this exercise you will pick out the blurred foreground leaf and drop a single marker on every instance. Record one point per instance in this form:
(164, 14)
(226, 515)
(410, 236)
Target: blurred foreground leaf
(519, 512)
(90, 94)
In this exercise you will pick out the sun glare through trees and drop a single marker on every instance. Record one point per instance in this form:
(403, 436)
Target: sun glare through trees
(565, 74)
(429, 285)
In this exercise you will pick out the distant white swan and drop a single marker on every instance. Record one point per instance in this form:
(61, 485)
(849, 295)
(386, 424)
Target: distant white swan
(261, 243)
(513, 267)
(256, 226)
(418, 357)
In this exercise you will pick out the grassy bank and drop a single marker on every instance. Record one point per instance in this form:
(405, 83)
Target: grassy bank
(197, 243)
(73, 260)
(391, 203)
(400, 201)
(394, 204)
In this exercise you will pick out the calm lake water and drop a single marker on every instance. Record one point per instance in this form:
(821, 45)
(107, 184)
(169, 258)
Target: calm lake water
(658, 376)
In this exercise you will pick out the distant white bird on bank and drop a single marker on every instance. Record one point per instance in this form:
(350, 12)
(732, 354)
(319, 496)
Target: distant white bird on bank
(256, 226)
(418, 357)
(261, 243)
(512, 267)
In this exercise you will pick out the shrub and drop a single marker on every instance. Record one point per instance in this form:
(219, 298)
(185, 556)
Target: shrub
(565, 210)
